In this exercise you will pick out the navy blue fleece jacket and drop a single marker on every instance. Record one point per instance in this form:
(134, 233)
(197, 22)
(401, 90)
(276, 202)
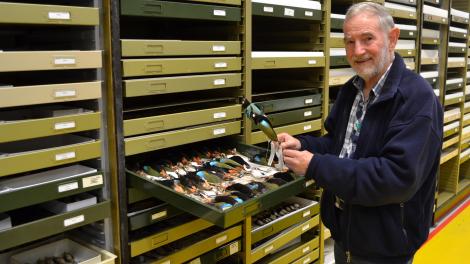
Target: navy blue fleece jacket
(389, 184)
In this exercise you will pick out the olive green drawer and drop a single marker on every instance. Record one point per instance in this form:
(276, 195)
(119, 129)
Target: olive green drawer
(287, 62)
(430, 41)
(157, 240)
(152, 215)
(406, 2)
(454, 86)
(49, 185)
(429, 61)
(406, 52)
(451, 132)
(291, 254)
(19, 13)
(337, 23)
(49, 60)
(202, 246)
(144, 67)
(283, 104)
(295, 129)
(312, 256)
(146, 48)
(157, 141)
(459, 35)
(456, 64)
(218, 254)
(457, 50)
(338, 61)
(178, 120)
(401, 13)
(453, 101)
(48, 157)
(408, 34)
(262, 9)
(34, 128)
(459, 19)
(221, 218)
(450, 142)
(224, 2)
(336, 42)
(293, 116)
(432, 1)
(52, 225)
(52, 93)
(435, 19)
(165, 85)
(279, 241)
(308, 209)
(166, 9)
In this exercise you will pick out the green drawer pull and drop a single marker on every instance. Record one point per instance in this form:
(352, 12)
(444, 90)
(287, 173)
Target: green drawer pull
(159, 239)
(157, 88)
(154, 124)
(156, 143)
(153, 68)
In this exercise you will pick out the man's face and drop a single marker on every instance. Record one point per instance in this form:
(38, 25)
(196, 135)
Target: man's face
(367, 46)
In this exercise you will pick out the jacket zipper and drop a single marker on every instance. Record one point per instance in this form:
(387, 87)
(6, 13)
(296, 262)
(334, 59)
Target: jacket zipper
(348, 253)
(402, 212)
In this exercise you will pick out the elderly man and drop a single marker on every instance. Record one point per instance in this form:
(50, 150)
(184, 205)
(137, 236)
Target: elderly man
(379, 160)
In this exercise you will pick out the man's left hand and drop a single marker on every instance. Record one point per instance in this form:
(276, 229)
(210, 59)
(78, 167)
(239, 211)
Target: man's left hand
(297, 161)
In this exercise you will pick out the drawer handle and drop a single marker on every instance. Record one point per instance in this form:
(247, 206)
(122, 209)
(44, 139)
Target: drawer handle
(154, 48)
(221, 239)
(306, 213)
(219, 65)
(67, 187)
(154, 124)
(74, 220)
(309, 13)
(150, 68)
(65, 156)
(64, 125)
(312, 62)
(156, 88)
(159, 239)
(307, 127)
(307, 113)
(289, 12)
(64, 93)
(156, 143)
(305, 227)
(305, 249)
(308, 101)
(58, 15)
(152, 8)
(268, 248)
(158, 215)
(307, 260)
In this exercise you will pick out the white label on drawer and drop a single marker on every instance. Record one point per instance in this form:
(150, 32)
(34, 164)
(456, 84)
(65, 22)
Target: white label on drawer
(309, 101)
(59, 15)
(307, 260)
(289, 12)
(219, 131)
(409, 52)
(437, 1)
(411, 33)
(220, 115)
(306, 213)
(268, 248)
(65, 156)
(463, 49)
(435, 41)
(307, 127)
(308, 13)
(159, 215)
(434, 80)
(74, 220)
(68, 187)
(65, 93)
(64, 61)
(305, 227)
(411, 14)
(220, 12)
(460, 85)
(465, 35)
(218, 48)
(220, 65)
(221, 239)
(311, 62)
(92, 181)
(412, 1)
(233, 248)
(309, 182)
(268, 9)
(219, 81)
(305, 249)
(443, 20)
(64, 125)
(308, 113)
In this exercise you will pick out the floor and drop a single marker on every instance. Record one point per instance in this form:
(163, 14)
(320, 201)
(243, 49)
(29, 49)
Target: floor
(448, 242)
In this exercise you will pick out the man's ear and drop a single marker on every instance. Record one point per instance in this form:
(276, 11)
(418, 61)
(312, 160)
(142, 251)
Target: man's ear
(393, 37)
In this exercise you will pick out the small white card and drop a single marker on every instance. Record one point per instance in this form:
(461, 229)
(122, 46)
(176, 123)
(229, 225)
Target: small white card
(268, 9)
(68, 187)
(221, 239)
(74, 220)
(64, 125)
(92, 181)
(65, 156)
(159, 215)
(64, 61)
(289, 12)
(219, 131)
(218, 48)
(65, 93)
(220, 115)
(219, 81)
(220, 65)
(220, 13)
(59, 15)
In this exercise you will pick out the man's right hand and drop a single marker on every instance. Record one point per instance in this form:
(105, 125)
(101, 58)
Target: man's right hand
(288, 142)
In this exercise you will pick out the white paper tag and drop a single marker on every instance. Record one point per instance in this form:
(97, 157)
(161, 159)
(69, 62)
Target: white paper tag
(220, 65)
(59, 15)
(65, 93)
(64, 61)
(437, 1)
(307, 260)
(219, 81)
(220, 115)
(309, 182)
(68, 187)
(434, 80)
(218, 48)
(409, 52)
(289, 12)
(463, 49)
(219, 131)
(64, 125)
(305, 249)
(306, 213)
(92, 181)
(308, 100)
(309, 13)
(220, 12)
(411, 33)
(74, 220)
(443, 20)
(435, 41)
(65, 156)
(233, 248)
(268, 9)
(308, 113)
(305, 227)
(307, 127)
(167, 262)
(159, 215)
(312, 62)
(221, 239)
(412, 1)
(268, 248)
(412, 14)
(460, 85)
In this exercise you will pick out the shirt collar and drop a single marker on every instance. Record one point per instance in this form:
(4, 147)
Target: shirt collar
(359, 82)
